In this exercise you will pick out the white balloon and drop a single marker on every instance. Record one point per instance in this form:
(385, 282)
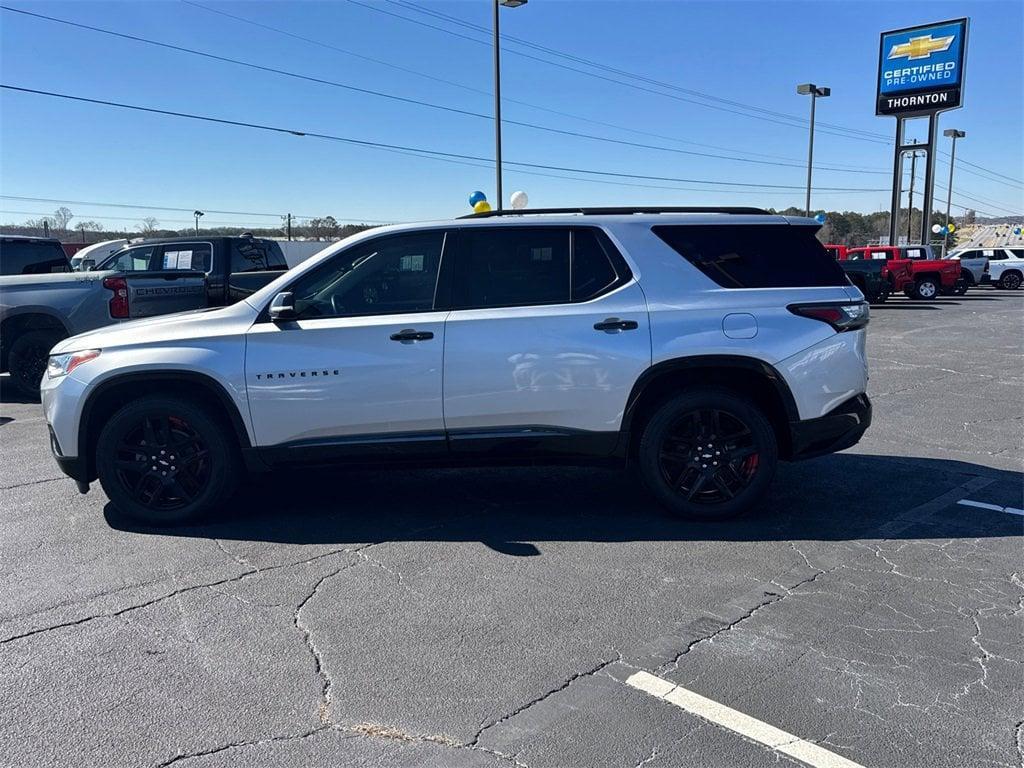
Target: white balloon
(936, 228)
(519, 200)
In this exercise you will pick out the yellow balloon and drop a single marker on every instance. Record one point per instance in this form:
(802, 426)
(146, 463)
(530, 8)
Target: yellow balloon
(951, 227)
(482, 207)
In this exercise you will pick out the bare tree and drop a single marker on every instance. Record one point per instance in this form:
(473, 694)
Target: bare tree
(88, 226)
(149, 226)
(62, 217)
(38, 224)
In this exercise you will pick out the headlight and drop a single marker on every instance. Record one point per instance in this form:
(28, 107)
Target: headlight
(62, 365)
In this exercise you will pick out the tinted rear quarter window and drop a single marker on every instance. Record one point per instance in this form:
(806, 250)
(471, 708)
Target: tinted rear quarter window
(594, 268)
(31, 257)
(755, 255)
(256, 255)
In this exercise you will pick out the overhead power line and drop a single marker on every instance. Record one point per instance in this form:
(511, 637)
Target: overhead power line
(792, 122)
(392, 147)
(190, 222)
(134, 206)
(1008, 180)
(531, 105)
(795, 121)
(424, 10)
(420, 102)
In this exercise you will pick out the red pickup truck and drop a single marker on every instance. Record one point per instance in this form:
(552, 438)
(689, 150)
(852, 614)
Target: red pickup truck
(925, 277)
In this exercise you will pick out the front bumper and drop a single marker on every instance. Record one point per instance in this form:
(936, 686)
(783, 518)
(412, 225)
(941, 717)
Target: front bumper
(72, 466)
(840, 428)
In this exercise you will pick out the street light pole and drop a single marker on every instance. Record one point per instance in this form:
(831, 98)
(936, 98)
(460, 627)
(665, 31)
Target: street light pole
(497, 95)
(954, 134)
(197, 214)
(910, 197)
(814, 91)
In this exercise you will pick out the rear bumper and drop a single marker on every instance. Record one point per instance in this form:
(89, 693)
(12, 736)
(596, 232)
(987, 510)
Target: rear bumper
(840, 428)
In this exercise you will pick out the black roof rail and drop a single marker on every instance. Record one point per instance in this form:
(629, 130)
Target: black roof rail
(613, 211)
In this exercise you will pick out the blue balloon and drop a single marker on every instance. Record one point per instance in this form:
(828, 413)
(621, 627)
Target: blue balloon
(1016, 231)
(477, 197)
(820, 218)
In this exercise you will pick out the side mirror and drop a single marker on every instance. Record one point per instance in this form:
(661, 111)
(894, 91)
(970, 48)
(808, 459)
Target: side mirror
(87, 264)
(282, 308)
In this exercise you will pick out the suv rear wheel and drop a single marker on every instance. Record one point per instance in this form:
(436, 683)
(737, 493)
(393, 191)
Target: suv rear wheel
(708, 454)
(1010, 281)
(165, 461)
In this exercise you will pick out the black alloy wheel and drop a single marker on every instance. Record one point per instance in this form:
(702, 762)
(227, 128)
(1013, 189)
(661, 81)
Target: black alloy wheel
(708, 456)
(165, 461)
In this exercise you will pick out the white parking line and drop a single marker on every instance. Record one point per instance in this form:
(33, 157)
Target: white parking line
(993, 507)
(745, 725)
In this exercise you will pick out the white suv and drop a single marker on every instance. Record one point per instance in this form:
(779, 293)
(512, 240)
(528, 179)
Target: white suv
(1005, 267)
(701, 345)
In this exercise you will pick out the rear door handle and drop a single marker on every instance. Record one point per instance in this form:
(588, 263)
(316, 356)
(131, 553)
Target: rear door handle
(410, 334)
(614, 324)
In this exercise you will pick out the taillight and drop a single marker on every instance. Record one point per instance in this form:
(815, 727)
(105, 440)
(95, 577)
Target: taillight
(119, 301)
(842, 317)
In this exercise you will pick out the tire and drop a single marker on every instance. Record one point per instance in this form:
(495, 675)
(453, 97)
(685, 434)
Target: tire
(27, 360)
(925, 288)
(962, 286)
(879, 296)
(1010, 281)
(682, 434)
(196, 465)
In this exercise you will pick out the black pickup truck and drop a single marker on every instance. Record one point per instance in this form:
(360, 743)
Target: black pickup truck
(234, 267)
(867, 274)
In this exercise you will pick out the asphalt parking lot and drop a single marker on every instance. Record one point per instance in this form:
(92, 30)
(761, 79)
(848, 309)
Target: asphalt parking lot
(550, 617)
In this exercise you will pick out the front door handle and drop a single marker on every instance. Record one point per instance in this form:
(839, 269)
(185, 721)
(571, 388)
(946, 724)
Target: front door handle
(410, 334)
(614, 324)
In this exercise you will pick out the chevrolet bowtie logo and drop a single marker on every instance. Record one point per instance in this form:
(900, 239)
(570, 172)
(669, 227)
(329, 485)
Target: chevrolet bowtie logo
(921, 47)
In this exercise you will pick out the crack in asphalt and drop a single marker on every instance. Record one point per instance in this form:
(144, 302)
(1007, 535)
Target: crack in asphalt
(363, 730)
(181, 756)
(772, 598)
(397, 574)
(565, 684)
(307, 635)
(32, 482)
(183, 590)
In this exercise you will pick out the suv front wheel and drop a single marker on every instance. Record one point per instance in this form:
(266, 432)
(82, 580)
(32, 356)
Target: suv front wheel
(708, 454)
(165, 461)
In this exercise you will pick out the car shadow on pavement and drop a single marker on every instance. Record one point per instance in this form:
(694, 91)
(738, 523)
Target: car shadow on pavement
(834, 498)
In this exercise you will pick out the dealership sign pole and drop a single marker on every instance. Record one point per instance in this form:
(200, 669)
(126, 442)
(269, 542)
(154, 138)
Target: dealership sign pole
(920, 74)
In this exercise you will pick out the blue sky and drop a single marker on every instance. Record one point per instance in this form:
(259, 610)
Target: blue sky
(748, 52)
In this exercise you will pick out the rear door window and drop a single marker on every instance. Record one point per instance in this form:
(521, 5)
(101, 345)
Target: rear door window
(190, 256)
(755, 255)
(31, 257)
(512, 267)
